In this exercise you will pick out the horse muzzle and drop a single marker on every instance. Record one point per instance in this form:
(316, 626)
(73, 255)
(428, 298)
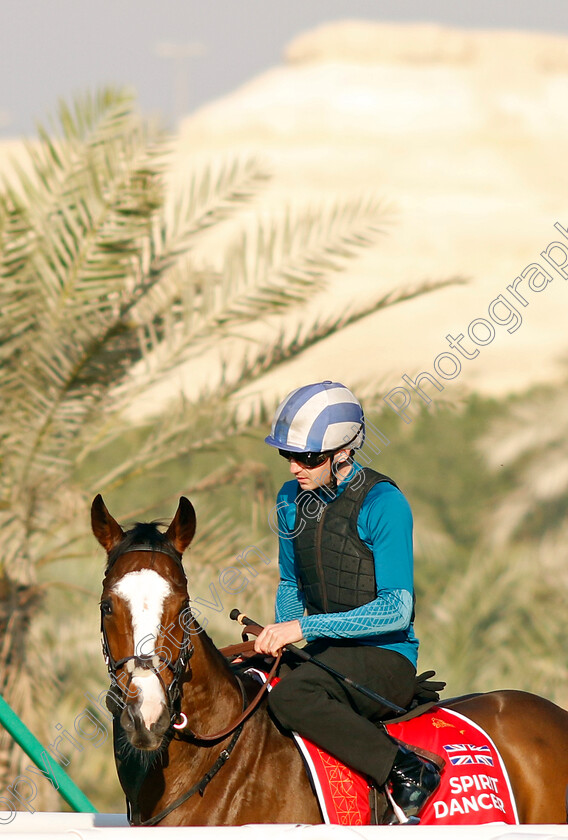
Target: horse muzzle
(146, 718)
(144, 736)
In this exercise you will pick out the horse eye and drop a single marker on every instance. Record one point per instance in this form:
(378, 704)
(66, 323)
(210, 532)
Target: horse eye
(106, 607)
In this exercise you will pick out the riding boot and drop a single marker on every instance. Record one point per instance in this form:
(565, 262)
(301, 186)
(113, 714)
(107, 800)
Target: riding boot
(412, 780)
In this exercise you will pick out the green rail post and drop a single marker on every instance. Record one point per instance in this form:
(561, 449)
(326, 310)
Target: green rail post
(73, 795)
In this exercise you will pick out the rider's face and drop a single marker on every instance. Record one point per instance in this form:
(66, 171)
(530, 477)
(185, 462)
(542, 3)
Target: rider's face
(310, 478)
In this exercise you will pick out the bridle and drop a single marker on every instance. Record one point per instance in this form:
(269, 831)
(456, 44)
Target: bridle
(151, 662)
(155, 663)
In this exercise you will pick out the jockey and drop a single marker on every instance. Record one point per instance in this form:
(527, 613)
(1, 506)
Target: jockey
(346, 586)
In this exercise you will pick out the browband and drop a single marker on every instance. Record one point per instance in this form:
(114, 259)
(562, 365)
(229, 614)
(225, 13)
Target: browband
(165, 548)
(161, 549)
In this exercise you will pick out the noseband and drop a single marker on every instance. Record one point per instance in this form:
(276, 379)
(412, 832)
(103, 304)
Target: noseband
(135, 664)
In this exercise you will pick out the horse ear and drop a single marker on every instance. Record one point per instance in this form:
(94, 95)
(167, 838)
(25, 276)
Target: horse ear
(105, 528)
(182, 527)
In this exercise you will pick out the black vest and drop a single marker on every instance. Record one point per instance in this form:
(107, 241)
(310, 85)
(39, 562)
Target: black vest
(336, 570)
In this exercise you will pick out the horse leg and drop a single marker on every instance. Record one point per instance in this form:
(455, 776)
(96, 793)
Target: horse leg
(531, 733)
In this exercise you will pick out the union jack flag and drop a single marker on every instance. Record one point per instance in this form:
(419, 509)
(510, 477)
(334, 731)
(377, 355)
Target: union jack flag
(469, 754)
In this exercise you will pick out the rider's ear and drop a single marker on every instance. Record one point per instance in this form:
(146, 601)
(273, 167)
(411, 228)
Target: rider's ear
(105, 528)
(182, 527)
(341, 457)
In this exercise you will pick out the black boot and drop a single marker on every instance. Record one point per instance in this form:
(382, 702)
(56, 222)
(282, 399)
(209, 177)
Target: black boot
(412, 780)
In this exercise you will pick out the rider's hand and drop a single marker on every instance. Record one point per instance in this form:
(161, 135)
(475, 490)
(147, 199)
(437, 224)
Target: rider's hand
(275, 636)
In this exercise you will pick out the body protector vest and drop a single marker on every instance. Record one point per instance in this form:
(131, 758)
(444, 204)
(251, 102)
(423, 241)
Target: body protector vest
(336, 570)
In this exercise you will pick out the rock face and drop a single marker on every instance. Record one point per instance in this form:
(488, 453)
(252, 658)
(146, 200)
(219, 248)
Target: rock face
(383, 43)
(464, 136)
(464, 132)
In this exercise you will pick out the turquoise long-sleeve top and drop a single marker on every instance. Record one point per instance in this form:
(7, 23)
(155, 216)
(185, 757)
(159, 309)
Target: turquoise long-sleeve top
(384, 525)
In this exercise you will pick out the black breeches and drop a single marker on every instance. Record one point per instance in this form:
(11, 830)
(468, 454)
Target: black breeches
(338, 718)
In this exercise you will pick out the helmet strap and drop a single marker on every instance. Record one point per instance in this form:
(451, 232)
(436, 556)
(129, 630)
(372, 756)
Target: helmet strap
(336, 466)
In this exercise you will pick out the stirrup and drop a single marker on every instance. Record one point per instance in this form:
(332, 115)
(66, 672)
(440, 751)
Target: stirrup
(411, 783)
(398, 812)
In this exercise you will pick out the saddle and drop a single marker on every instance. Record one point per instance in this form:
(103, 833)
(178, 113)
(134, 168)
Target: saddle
(474, 788)
(341, 791)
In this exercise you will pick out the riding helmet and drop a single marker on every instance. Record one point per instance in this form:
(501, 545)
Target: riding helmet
(321, 417)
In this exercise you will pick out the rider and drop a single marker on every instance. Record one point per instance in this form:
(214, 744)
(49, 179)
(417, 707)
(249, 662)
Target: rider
(346, 586)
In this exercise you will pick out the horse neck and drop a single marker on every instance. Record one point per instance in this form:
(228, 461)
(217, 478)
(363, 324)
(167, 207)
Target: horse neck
(211, 694)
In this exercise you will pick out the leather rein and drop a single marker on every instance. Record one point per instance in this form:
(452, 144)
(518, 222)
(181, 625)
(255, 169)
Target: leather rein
(248, 711)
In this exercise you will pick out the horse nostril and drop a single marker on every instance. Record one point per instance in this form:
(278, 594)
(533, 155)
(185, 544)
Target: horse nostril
(162, 724)
(127, 719)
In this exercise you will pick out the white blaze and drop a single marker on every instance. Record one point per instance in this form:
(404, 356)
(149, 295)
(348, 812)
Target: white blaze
(145, 592)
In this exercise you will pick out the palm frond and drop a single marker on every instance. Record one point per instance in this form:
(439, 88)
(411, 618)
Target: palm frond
(288, 346)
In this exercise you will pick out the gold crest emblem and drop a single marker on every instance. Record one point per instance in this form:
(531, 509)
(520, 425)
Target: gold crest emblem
(439, 723)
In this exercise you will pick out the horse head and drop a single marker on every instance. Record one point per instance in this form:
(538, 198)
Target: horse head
(146, 623)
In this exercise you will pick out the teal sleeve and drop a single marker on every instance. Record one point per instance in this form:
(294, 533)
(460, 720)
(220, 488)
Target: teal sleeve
(387, 614)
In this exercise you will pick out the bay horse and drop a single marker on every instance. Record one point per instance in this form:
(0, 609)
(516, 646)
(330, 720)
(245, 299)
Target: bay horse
(187, 750)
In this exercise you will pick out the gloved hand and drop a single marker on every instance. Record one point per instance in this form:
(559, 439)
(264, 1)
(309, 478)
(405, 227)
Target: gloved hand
(427, 690)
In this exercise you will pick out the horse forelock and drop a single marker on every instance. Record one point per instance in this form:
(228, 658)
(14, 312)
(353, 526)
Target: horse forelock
(148, 535)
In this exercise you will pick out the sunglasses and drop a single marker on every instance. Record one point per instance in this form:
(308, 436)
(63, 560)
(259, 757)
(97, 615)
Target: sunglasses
(307, 459)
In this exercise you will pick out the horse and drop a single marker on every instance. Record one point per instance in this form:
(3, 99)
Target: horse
(190, 746)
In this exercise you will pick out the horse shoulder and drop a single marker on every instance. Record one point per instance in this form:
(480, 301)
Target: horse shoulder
(279, 782)
(264, 781)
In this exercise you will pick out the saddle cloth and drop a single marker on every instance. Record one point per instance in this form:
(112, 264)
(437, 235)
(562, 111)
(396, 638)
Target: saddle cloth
(474, 787)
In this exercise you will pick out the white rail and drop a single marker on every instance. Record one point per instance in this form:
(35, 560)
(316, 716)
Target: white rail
(64, 826)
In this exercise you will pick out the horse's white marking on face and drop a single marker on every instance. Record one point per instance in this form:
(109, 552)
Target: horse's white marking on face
(145, 592)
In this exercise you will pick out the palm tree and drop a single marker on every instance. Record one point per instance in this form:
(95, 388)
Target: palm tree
(101, 297)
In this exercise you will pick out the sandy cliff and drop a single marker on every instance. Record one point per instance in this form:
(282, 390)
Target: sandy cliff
(465, 133)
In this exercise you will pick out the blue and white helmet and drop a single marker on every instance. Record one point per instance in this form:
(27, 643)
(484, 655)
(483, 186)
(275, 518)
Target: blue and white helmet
(321, 417)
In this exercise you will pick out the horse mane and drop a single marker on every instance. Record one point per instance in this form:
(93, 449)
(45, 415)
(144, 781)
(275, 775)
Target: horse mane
(144, 534)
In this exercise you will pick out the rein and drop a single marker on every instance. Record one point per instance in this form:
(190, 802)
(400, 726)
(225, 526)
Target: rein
(198, 787)
(252, 706)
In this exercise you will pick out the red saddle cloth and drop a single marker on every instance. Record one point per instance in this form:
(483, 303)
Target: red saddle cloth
(474, 787)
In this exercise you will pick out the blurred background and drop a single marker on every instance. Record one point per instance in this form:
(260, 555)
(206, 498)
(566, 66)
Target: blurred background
(205, 205)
